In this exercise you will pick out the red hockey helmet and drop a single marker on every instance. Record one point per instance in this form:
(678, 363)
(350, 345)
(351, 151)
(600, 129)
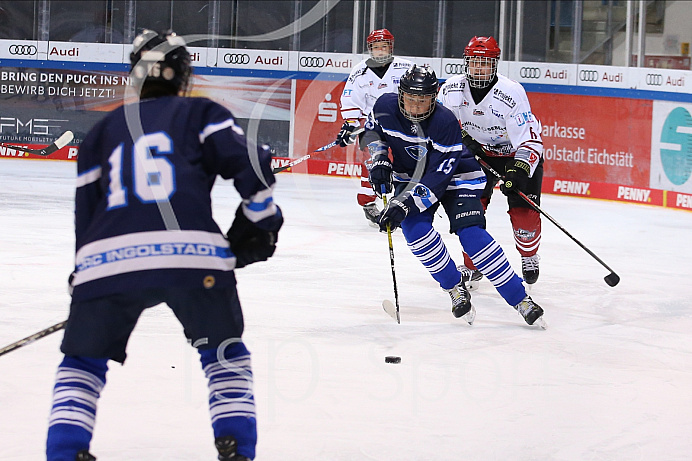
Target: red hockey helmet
(482, 46)
(480, 61)
(378, 54)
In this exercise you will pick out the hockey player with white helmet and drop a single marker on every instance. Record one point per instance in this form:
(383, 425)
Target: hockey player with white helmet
(430, 166)
(145, 235)
(504, 132)
(369, 79)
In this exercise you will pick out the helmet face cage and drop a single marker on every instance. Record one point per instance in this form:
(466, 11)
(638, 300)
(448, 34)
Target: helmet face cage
(480, 61)
(381, 58)
(418, 87)
(479, 70)
(161, 58)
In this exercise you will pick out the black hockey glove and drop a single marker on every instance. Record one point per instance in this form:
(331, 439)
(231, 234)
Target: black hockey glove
(393, 215)
(345, 136)
(471, 144)
(516, 177)
(249, 243)
(381, 175)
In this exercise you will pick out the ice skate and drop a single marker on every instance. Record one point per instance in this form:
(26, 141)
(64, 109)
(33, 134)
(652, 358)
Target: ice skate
(227, 446)
(461, 303)
(372, 214)
(532, 312)
(84, 455)
(471, 277)
(529, 268)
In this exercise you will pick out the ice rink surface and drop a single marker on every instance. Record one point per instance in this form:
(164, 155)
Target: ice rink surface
(610, 379)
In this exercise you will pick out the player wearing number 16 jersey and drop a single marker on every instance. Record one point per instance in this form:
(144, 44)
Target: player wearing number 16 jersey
(145, 236)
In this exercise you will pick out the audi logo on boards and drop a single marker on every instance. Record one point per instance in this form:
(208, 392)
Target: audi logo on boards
(236, 58)
(455, 69)
(530, 72)
(588, 75)
(311, 61)
(23, 50)
(654, 79)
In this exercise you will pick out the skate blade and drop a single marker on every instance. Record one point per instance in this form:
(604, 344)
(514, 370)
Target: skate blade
(541, 323)
(470, 316)
(472, 285)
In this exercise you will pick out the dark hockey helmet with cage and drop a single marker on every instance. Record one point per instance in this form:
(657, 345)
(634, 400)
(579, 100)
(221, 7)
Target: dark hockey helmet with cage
(421, 82)
(161, 58)
(381, 35)
(485, 53)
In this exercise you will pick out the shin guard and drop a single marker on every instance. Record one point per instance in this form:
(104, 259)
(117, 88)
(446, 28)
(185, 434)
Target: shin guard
(526, 224)
(488, 256)
(231, 398)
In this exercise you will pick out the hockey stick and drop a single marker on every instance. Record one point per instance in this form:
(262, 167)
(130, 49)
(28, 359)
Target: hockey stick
(32, 338)
(59, 143)
(387, 305)
(611, 279)
(305, 157)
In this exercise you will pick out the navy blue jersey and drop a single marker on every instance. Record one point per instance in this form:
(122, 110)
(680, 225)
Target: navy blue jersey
(143, 215)
(429, 154)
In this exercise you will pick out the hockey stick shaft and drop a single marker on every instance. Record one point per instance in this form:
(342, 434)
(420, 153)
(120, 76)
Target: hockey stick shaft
(307, 156)
(391, 259)
(30, 339)
(611, 279)
(59, 143)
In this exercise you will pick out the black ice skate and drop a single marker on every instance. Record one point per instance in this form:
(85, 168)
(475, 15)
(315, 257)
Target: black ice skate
(227, 446)
(529, 268)
(372, 214)
(461, 303)
(532, 312)
(84, 455)
(471, 277)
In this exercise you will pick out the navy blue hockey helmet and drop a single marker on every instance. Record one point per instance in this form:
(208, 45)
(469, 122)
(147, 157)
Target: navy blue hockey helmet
(417, 93)
(161, 58)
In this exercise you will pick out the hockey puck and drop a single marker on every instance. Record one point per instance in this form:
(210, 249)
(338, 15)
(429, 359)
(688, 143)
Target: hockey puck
(392, 359)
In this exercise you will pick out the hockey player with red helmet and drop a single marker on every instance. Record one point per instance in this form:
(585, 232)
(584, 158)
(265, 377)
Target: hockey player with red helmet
(369, 79)
(503, 131)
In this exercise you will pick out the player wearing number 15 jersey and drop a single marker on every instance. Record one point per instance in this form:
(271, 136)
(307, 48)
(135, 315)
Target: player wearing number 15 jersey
(145, 236)
(429, 167)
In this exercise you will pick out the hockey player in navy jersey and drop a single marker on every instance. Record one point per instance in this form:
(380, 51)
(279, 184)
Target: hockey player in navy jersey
(429, 166)
(145, 235)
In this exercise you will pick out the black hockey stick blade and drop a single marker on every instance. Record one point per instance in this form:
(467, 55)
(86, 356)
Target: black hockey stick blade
(59, 143)
(30, 339)
(612, 279)
(391, 309)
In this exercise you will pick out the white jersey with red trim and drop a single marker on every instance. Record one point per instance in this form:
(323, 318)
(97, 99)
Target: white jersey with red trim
(502, 122)
(363, 87)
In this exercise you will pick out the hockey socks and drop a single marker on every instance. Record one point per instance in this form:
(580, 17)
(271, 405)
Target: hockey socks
(526, 225)
(78, 385)
(231, 399)
(426, 244)
(488, 257)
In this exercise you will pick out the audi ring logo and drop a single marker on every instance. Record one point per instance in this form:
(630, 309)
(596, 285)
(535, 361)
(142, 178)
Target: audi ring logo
(311, 61)
(236, 58)
(23, 50)
(654, 79)
(455, 69)
(530, 72)
(588, 75)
